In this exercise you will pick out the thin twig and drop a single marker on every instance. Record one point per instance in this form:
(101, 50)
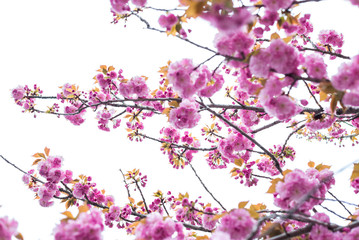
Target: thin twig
(205, 187)
(266, 126)
(274, 159)
(340, 202)
(143, 198)
(311, 93)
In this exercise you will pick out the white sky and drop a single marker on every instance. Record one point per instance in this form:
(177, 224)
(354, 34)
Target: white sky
(52, 43)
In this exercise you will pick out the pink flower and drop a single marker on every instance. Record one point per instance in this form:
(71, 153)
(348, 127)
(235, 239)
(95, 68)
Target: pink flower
(269, 18)
(139, 3)
(355, 2)
(237, 224)
(167, 21)
(258, 32)
(76, 119)
(227, 22)
(320, 232)
(283, 57)
(69, 90)
(347, 77)
(297, 185)
(80, 190)
(209, 221)
(55, 175)
(236, 44)
(351, 99)
(136, 86)
(18, 93)
(352, 235)
(272, 88)
(321, 123)
(179, 74)
(275, 5)
(154, 227)
(186, 115)
(259, 63)
(316, 67)
(139, 87)
(8, 228)
(125, 89)
(120, 6)
(88, 226)
(331, 37)
(55, 161)
(210, 90)
(281, 107)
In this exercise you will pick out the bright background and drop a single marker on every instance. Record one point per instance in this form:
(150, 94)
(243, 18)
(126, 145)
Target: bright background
(52, 43)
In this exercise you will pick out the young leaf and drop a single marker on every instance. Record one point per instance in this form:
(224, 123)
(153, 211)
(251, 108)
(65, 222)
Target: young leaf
(19, 236)
(131, 199)
(242, 204)
(311, 164)
(355, 173)
(47, 151)
(68, 214)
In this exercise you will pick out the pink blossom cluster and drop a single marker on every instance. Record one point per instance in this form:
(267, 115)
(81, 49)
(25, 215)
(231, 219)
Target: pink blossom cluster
(248, 118)
(114, 214)
(80, 190)
(88, 226)
(135, 88)
(186, 115)
(216, 161)
(305, 27)
(315, 66)
(167, 21)
(279, 57)
(21, 94)
(266, 164)
(321, 122)
(331, 37)
(18, 93)
(275, 5)
(73, 116)
(135, 127)
(282, 107)
(320, 232)
(208, 218)
(104, 117)
(275, 104)
(227, 19)
(237, 225)
(269, 18)
(186, 211)
(155, 227)
(355, 185)
(246, 173)
(107, 81)
(347, 78)
(69, 91)
(355, 2)
(246, 84)
(298, 186)
(8, 228)
(175, 154)
(50, 170)
(122, 6)
(231, 145)
(237, 44)
(352, 235)
(187, 81)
